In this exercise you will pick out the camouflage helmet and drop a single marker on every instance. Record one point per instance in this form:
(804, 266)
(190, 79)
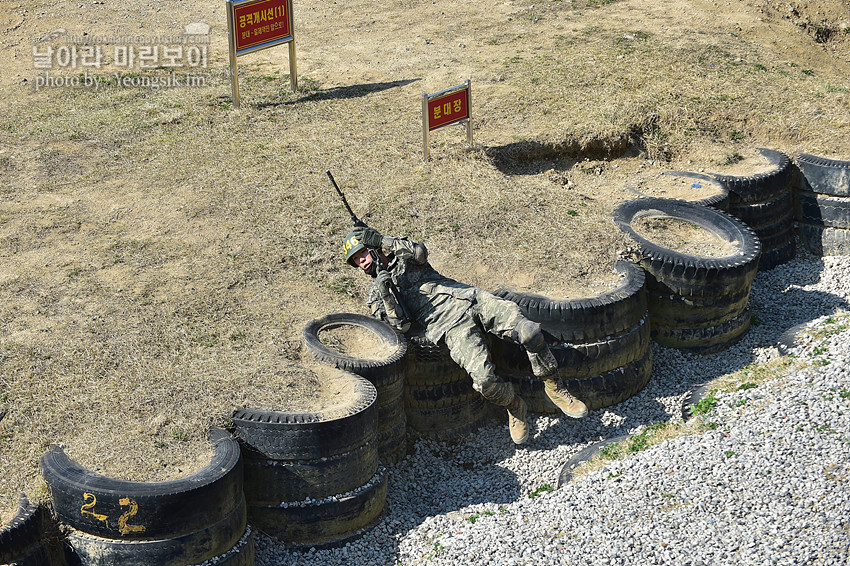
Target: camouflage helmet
(350, 246)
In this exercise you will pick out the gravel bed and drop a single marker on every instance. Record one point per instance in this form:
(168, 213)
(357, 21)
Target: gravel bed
(769, 485)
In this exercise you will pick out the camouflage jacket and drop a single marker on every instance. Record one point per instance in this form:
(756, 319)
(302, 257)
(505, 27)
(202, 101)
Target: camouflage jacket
(434, 301)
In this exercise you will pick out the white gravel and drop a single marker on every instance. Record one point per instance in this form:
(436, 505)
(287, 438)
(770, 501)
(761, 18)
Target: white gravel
(769, 485)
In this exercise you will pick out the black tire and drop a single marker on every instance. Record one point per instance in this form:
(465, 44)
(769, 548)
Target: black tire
(822, 240)
(695, 303)
(763, 186)
(531, 390)
(777, 234)
(822, 210)
(777, 256)
(670, 311)
(565, 476)
(392, 441)
(430, 364)
(822, 175)
(704, 339)
(578, 359)
(21, 538)
(217, 539)
(597, 391)
(385, 370)
(117, 509)
(612, 387)
(587, 319)
(35, 556)
(777, 242)
(448, 422)
(327, 522)
(269, 482)
(439, 399)
(764, 213)
(672, 272)
(444, 395)
(325, 434)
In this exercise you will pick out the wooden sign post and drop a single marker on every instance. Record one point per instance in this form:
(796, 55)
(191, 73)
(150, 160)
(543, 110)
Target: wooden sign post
(450, 106)
(258, 24)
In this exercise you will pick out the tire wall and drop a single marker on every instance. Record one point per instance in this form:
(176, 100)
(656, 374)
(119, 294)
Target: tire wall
(186, 521)
(764, 203)
(696, 304)
(439, 400)
(314, 478)
(601, 343)
(386, 374)
(822, 204)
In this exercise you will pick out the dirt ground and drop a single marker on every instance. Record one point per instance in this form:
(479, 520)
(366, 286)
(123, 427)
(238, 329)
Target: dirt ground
(161, 251)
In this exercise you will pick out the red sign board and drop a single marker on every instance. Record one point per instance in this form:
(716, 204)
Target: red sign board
(260, 22)
(447, 109)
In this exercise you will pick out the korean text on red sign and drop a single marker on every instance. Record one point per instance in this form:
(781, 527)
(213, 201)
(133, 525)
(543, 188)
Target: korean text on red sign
(260, 22)
(448, 109)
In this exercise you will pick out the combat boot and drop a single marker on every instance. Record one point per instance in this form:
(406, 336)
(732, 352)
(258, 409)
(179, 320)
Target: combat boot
(568, 404)
(517, 421)
(502, 394)
(530, 335)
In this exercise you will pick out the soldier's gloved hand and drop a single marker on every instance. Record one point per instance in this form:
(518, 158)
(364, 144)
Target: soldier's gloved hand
(384, 280)
(368, 236)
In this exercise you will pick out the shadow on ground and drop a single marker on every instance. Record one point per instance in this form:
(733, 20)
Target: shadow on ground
(530, 157)
(341, 92)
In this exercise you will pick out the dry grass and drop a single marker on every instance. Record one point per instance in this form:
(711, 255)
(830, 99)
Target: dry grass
(161, 251)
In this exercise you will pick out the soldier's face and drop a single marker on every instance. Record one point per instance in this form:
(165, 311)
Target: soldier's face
(362, 259)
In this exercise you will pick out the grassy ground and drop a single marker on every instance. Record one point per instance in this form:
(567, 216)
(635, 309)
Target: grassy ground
(160, 251)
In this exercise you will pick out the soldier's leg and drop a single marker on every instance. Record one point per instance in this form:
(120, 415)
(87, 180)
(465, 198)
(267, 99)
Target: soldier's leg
(469, 350)
(504, 319)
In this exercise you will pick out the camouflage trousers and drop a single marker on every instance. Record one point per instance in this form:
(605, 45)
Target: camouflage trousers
(468, 347)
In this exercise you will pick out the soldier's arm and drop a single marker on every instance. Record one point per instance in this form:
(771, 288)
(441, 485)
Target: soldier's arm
(405, 248)
(386, 309)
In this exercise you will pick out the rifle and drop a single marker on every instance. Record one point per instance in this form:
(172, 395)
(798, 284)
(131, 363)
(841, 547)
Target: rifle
(357, 222)
(360, 224)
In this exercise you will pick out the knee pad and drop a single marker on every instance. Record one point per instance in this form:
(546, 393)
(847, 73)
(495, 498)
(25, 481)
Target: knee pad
(530, 335)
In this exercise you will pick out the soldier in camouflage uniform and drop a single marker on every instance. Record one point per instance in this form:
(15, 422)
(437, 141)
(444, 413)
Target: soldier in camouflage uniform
(407, 289)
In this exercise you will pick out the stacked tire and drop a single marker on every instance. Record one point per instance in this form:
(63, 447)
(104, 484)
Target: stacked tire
(822, 204)
(764, 203)
(313, 478)
(601, 343)
(697, 304)
(439, 400)
(199, 519)
(23, 539)
(384, 369)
